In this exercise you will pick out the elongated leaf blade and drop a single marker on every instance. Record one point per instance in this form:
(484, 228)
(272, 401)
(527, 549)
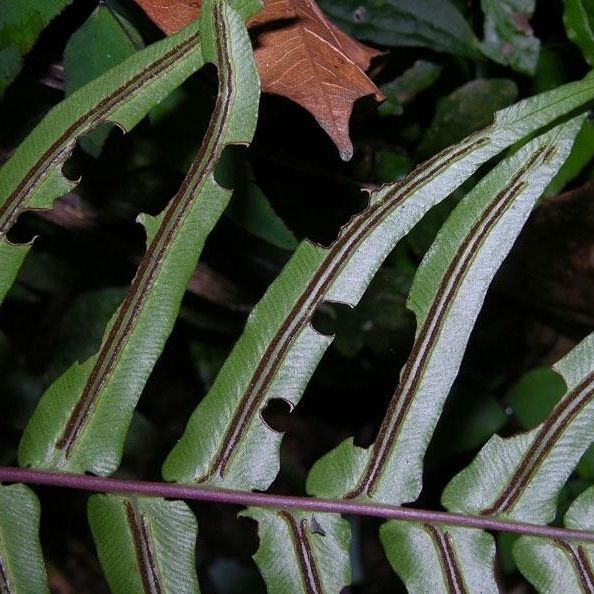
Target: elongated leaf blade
(520, 477)
(446, 297)
(81, 421)
(440, 559)
(554, 566)
(302, 553)
(435, 24)
(22, 569)
(145, 545)
(509, 38)
(33, 179)
(578, 18)
(20, 26)
(102, 42)
(279, 350)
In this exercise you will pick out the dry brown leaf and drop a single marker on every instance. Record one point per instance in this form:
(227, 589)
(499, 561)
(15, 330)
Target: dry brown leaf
(305, 58)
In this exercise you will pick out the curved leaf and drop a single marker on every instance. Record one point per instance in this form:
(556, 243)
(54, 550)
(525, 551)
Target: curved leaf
(145, 545)
(446, 297)
(509, 38)
(301, 553)
(279, 350)
(520, 477)
(554, 566)
(32, 178)
(81, 421)
(21, 23)
(578, 17)
(440, 559)
(435, 24)
(22, 569)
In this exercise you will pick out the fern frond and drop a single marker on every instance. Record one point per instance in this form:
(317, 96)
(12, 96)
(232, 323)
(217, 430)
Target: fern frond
(33, 179)
(554, 566)
(520, 477)
(145, 545)
(302, 553)
(447, 294)
(80, 424)
(440, 559)
(279, 350)
(22, 570)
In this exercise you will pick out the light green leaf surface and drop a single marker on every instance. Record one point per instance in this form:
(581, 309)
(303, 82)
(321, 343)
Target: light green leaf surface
(578, 18)
(81, 421)
(102, 42)
(435, 24)
(279, 350)
(22, 570)
(145, 545)
(555, 566)
(302, 553)
(581, 154)
(520, 477)
(509, 38)
(21, 22)
(440, 559)
(32, 178)
(446, 297)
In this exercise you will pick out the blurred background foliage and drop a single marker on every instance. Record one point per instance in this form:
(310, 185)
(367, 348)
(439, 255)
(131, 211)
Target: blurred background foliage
(448, 66)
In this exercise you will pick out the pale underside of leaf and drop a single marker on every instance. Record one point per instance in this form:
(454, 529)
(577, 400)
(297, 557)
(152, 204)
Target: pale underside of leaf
(554, 566)
(22, 568)
(440, 559)
(81, 421)
(279, 350)
(145, 545)
(314, 64)
(520, 477)
(33, 179)
(302, 553)
(447, 294)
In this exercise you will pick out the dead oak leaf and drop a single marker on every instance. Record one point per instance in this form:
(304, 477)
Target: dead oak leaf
(171, 15)
(300, 55)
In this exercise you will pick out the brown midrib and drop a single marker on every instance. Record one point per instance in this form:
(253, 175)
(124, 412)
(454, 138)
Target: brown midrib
(294, 322)
(447, 560)
(143, 550)
(151, 263)
(542, 444)
(307, 562)
(16, 201)
(416, 363)
(581, 564)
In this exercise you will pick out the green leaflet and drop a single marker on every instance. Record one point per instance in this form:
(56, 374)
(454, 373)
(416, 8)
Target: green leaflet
(302, 553)
(554, 566)
(447, 294)
(22, 570)
(102, 42)
(32, 178)
(578, 18)
(520, 477)
(279, 350)
(420, 76)
(509, 38)
(440, 559)
(435, 24)
(21, 22)
(81, 421)
(145, 545)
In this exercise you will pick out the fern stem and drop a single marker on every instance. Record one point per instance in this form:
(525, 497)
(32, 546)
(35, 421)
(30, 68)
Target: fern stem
(248, 498)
